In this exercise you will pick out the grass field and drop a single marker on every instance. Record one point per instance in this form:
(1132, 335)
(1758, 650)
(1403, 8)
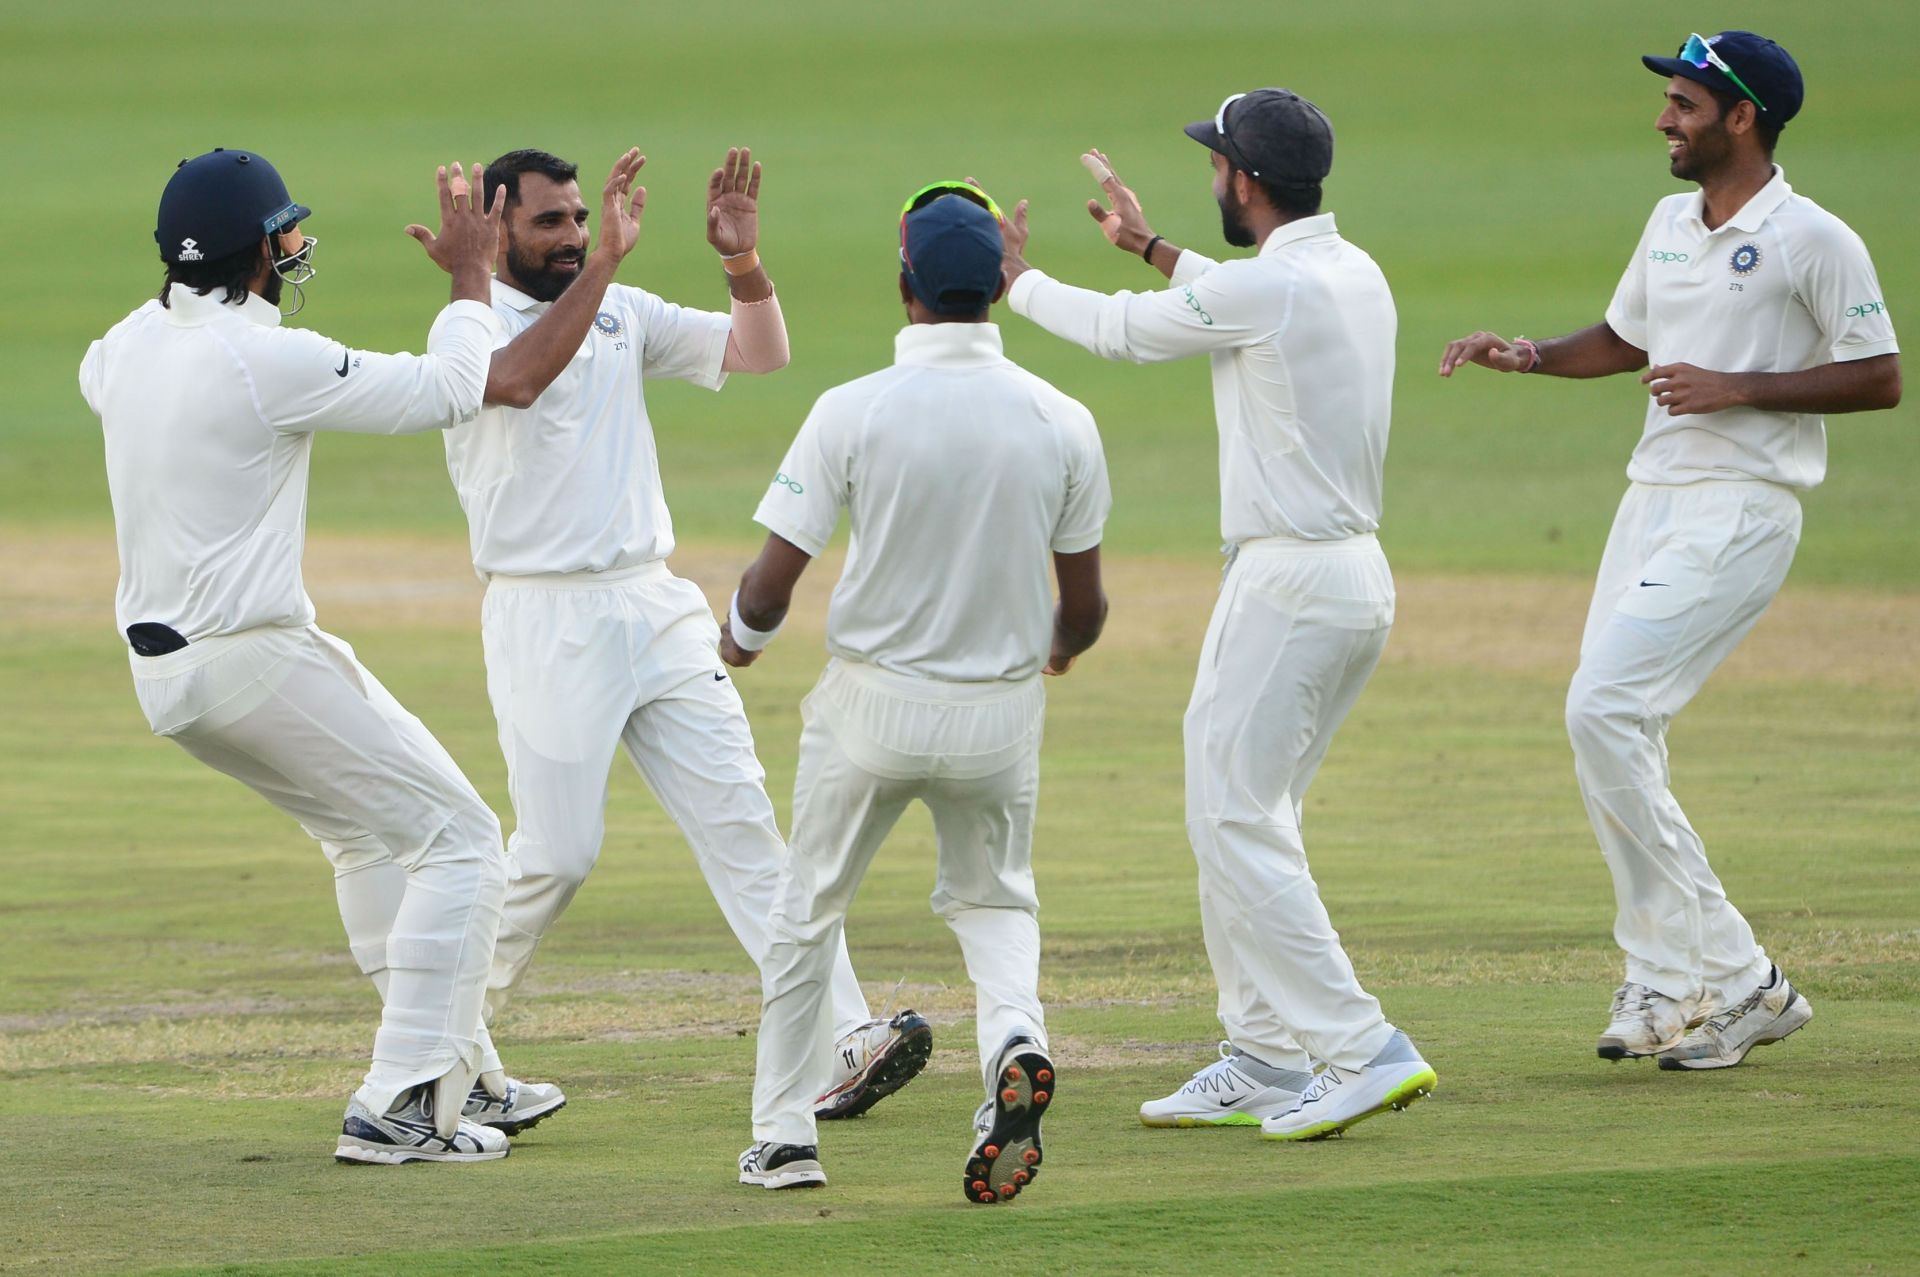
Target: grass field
(180, 1022)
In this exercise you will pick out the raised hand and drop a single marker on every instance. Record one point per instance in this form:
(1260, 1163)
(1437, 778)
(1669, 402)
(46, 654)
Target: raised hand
(621, 203)
(1124, 225)
(468, 238)
(1489, 350)
(733, 204)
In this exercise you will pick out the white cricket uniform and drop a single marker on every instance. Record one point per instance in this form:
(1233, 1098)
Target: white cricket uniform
(1701, 543)
(208, 412)
(591, 642)
(961, 474)
(1301, 342)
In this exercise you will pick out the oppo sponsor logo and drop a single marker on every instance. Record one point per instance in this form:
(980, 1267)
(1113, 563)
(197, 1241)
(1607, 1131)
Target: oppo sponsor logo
(1663, 255)
(1866, 308)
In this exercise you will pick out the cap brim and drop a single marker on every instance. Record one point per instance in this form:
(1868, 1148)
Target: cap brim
(1203, 132)
(1706, 75)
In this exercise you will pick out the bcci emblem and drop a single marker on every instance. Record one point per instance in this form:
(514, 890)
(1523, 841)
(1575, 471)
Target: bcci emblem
(1745, 260)
(189, 250)
(608, 324)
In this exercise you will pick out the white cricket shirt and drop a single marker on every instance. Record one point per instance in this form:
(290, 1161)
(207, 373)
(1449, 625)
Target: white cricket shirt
(1782, 286)
(960, 472)
(572, 482)
(1301, 341)
(208, 410)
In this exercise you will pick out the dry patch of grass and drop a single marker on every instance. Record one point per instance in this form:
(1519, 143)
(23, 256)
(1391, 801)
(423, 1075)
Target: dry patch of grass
(60, 580)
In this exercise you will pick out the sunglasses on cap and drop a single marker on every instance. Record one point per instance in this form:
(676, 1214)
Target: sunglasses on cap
(1698, 52)
(935, 190)
(1226, 135)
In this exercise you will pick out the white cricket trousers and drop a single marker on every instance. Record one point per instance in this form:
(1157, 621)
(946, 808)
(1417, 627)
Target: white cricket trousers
(1296, 633)
(581, 663)
(871, 742)
(1687, 572)
(418, 866)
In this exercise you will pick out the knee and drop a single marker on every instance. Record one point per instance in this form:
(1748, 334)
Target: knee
(560, 864)
(1600, 715)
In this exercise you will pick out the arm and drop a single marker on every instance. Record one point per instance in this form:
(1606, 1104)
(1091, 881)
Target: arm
(1082, 611)
(528, 364)
(760, 603)
(757, 336)
(1594, 351)
(1203, 315)
(1860, 385)
(301, 381)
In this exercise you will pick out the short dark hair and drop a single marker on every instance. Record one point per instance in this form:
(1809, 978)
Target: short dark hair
(1763, 124)
(233, 272)
(1291, 199)
(506, 172)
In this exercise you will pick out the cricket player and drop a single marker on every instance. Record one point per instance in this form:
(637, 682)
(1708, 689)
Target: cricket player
(962, 475)
(208, 406)
(1300, 338)
(1760, 312)
(591, 642)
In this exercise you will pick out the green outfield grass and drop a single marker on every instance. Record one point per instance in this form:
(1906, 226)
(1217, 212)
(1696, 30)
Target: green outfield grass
(180, 1022)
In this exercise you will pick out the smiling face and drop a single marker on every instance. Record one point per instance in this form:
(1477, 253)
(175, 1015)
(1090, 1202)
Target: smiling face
(546, 234)
(1699, 140)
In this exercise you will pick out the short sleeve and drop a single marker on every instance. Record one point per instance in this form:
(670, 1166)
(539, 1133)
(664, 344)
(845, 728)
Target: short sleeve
(1837, 284)
(90, 377)
(803, 502)
(1083, 518)
(1627, 312)
(678, 341)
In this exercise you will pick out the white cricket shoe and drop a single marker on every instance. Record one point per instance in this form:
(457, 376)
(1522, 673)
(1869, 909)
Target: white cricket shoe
(509, 1105)
(1225, 1093)
(1765, 1016)
(873, 1061)
(1646, 1022)
(782, 1166)
(407, 1133)
(1341, 1098)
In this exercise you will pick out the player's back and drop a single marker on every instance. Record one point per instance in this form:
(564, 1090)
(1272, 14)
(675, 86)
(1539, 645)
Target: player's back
(209, 502)
(962, 474)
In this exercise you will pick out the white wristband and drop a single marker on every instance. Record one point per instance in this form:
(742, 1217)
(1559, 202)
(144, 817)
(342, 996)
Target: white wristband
(745, 637)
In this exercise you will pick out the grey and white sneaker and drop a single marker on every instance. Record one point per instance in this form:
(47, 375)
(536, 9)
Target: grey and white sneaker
(1765, 1016)
(782, 1166)
(1645, 1021)
(873, 1061)
(1235, 1090)
(407, 1133)
(1340, 1099)
(1006, 1127)
(509, 1105)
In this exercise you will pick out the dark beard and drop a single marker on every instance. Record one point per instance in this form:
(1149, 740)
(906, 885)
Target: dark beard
(1704, 156)
(1233, 223)
(271, 290)
(538, 279)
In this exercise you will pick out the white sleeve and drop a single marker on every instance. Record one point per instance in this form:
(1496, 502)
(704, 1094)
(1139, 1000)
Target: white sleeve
(1213, 312)
(1189, 267)
(1627, 312)
(680, 342)
(1837, 284)
(304, 382)
(1084, 516)
(90, 377)
(803, 502)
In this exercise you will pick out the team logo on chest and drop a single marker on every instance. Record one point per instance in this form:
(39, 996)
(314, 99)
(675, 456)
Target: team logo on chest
(1745, 259)
(607, 323)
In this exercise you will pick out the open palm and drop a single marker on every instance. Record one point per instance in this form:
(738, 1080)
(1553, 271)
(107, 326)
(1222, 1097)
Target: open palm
(733, 204)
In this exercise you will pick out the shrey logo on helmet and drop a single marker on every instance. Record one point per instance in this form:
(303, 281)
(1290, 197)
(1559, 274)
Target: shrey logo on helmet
(189, 251)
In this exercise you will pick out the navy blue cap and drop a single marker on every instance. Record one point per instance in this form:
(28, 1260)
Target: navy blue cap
(219, 203)
(950, 254)
(1763, 66)
(1271, 133)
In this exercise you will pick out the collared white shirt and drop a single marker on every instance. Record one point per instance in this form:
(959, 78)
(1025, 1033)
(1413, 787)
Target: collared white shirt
(960, 472)
(207, 411)
(1782, 286)
(572, 482)
(1301, 342)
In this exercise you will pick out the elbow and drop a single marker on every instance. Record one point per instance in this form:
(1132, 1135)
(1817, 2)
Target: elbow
(504, 393)
(1084, 623)
(1890, 389)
